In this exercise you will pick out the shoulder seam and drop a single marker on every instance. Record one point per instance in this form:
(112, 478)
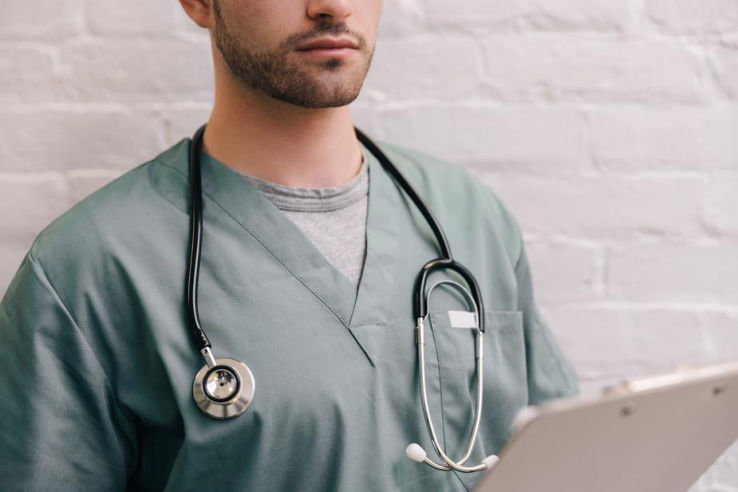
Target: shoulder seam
(159, 162)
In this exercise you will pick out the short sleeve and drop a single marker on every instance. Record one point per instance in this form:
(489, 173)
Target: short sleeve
(549, 373)
(60, 425)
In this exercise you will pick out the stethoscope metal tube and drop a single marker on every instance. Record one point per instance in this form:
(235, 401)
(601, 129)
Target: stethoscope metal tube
(451, 464)
(415, 452)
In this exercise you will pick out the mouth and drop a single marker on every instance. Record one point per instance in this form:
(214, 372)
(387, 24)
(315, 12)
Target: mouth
(328, 46)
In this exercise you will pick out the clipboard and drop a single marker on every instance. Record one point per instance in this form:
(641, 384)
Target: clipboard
(656, 434)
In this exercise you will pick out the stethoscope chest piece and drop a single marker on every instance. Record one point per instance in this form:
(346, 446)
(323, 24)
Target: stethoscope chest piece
(225, 389)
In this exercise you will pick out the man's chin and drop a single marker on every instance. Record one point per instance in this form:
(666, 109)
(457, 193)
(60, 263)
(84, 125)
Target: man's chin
(322, 103)
(320, 94)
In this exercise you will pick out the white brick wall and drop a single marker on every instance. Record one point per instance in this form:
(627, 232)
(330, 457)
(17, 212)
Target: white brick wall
(610, 127)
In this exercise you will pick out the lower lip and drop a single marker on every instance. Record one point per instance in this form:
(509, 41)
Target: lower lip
(327, 52)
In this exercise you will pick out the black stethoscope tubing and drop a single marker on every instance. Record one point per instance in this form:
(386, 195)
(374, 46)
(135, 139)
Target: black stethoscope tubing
(199, 337)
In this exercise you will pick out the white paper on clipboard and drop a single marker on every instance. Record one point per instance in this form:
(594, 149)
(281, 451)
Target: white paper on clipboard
(656, 434)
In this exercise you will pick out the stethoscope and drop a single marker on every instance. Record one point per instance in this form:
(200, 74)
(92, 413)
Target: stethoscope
(224, 388)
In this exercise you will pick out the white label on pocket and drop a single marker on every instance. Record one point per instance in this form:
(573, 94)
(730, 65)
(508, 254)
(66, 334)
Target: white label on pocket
(462, 319)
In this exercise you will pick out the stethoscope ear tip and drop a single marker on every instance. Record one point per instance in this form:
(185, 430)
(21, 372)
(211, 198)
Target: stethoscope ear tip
(490, 461)
(415, 452)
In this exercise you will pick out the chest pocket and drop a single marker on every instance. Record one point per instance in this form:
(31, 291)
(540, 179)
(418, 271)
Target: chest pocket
(504, 377)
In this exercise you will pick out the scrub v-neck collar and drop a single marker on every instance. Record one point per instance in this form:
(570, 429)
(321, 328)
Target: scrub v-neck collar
(226, 189)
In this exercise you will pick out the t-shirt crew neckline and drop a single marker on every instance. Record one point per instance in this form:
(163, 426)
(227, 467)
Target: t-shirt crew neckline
(298, 199)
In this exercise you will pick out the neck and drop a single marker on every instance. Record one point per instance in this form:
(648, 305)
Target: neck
(279, 142)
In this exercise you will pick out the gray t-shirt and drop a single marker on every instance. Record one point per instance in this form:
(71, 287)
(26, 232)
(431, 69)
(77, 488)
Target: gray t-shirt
(334, 219)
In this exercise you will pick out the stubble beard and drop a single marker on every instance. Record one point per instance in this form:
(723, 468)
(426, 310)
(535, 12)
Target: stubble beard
(272, 73)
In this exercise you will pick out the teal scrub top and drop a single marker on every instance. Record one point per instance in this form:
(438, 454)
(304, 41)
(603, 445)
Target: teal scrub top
(98, 366)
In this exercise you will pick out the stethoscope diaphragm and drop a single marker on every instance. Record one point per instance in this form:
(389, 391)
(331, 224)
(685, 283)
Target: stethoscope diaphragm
(225, 389)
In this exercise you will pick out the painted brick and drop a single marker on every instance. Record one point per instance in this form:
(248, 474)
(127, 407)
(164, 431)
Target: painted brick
(423, 68)
(604, 207)
(475, 13)
(536, 139)
(606, 15)
(111, 17)
(401, 18)
(156, 70)
(598, 70)
(43, 140)
(619, 341)
(729, 40)
(566, 271)
(32, 201)
(665, 138)
(724, 61)
(693, 16)
(27, 74)
(719, 211)
(676, 273)
(41, 19)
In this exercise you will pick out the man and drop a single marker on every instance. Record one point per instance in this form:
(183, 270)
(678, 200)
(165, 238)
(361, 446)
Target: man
(310, 252)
